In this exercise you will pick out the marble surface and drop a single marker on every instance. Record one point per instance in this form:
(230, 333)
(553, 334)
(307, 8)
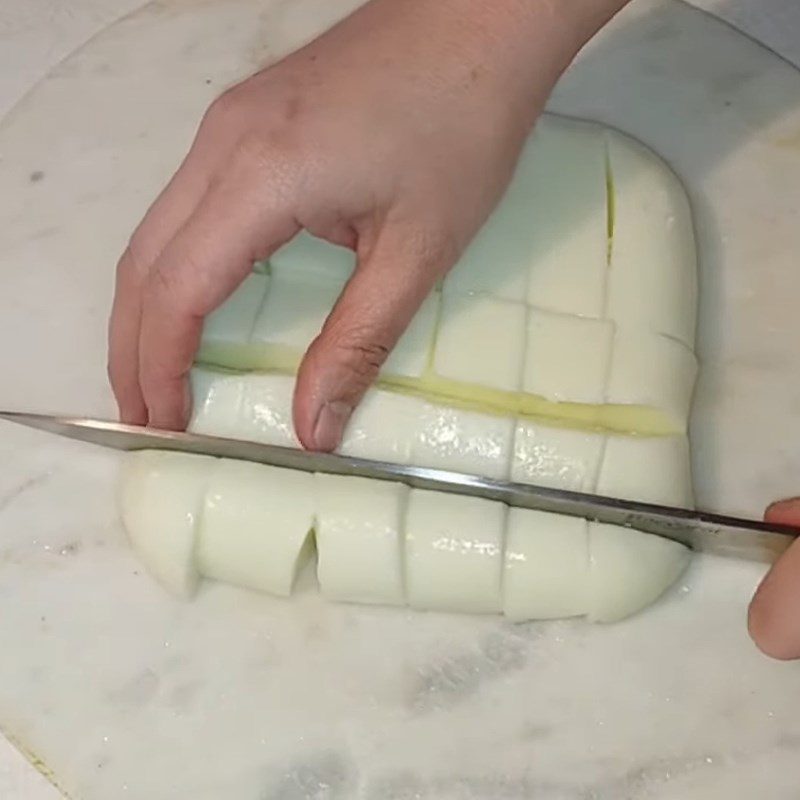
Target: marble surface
(450, 708)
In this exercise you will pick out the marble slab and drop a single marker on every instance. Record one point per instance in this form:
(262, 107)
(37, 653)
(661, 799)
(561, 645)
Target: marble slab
(126, 693)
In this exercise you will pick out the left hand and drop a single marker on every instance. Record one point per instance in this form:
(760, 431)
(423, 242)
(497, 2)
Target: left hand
(394, 134)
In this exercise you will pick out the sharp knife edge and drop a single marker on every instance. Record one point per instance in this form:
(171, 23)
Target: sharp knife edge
(701, 531)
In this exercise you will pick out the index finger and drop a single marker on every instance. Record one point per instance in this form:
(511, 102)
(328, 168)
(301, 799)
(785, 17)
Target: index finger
(169, 211)
(237, 223)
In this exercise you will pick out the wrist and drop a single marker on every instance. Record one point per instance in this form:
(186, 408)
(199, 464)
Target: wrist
(527, 44)
(507, 54)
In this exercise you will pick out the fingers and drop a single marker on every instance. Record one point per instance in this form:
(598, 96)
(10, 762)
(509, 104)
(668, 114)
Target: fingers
(376, 306)
(774, 617)
(123, 341)
(165, 217)
(239, 221)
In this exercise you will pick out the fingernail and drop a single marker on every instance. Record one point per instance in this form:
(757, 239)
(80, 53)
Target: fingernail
(331, 422)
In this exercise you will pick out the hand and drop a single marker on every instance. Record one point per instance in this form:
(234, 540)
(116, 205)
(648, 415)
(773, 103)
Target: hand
(774, 618)
(393, 134)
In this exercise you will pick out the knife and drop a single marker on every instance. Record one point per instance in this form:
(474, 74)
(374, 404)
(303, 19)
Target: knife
(704, 532)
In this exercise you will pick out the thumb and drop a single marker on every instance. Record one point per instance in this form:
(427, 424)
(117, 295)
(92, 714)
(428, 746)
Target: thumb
(774, 616)
(377, 304)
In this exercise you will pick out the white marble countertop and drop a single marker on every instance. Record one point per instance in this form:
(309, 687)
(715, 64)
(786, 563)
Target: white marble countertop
(36, 34)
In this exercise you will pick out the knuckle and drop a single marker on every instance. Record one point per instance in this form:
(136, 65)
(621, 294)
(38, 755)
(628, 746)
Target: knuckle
(138, 253)
(360, 357)
(367, 359)
(262, 120)
(160, 282)
(165, 293)
(164, 290)
(224, 107)
(288, 108)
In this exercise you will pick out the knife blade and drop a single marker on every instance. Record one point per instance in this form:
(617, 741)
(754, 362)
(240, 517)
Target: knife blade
(704, 532)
